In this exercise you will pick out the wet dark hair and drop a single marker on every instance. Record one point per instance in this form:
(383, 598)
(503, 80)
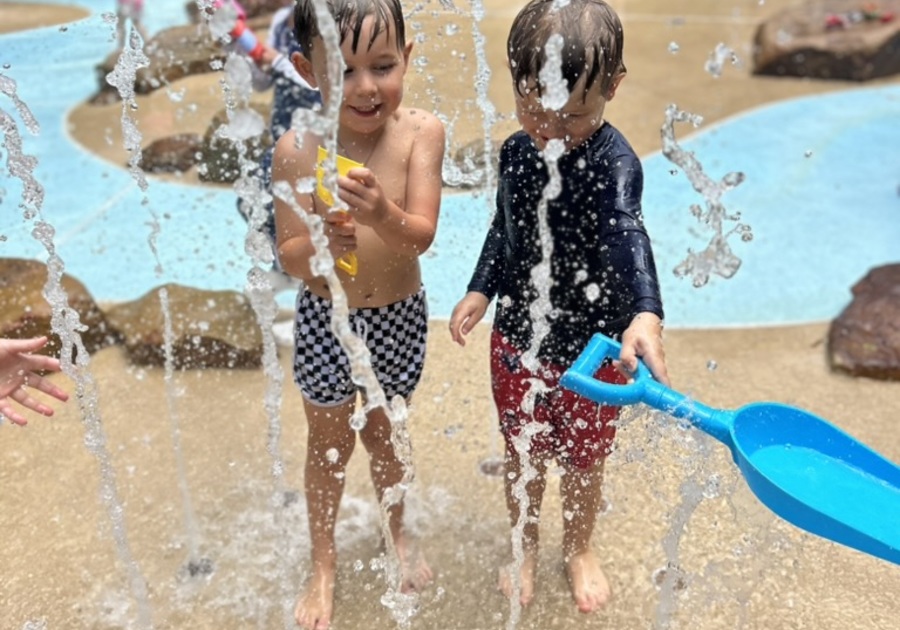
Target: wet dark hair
(592, 43)
(349, 16)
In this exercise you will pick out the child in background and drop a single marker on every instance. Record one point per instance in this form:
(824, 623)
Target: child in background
(392, 214)
(272, 69)
(602, 277)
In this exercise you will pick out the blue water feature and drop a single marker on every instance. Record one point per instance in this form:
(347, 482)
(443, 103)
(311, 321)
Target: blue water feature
(821, 195)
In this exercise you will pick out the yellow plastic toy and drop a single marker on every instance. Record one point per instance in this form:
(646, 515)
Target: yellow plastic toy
(348, 262)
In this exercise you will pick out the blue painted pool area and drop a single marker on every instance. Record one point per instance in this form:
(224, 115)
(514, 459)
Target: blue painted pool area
(821, 196)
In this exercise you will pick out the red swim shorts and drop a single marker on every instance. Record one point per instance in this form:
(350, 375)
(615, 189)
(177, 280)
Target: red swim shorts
(575, 430)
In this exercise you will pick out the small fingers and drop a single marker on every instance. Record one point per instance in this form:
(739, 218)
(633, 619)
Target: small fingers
(25, 399)
(10, 413)
(44, 385)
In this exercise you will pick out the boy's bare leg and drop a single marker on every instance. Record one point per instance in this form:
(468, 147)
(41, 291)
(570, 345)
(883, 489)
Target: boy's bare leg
(386, 471)
(328, 448)
(534, 493)
(581, 498)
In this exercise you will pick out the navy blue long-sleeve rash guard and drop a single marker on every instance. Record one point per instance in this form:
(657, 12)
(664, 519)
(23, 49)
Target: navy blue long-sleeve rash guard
(602, 267)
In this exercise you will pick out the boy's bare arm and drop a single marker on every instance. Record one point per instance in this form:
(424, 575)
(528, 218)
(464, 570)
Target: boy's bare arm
(411, 230)
(294, 244)
(466, 314)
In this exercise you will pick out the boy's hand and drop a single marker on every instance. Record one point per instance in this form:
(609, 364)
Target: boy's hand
(340, 228)
(362, 194)
(643, 339)
(466, 314)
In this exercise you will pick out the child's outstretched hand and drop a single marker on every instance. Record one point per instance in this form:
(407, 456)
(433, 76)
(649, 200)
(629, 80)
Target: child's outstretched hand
(18, 371)
(643, 339)
(362, 194)
(466, 314)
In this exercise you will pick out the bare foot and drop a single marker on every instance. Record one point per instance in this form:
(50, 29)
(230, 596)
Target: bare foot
(416, 574)
(314, 606)
(588, 582)
(526, 578)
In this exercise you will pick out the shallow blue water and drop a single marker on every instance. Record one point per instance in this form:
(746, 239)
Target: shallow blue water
(820, 222)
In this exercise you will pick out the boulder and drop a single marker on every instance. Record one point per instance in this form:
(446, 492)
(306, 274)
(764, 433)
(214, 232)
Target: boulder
(210, 329)
(174, 53)
(830, 39)
(865, 338)
(219, 161)
(253, 8)
(25, 312)
(173, 154)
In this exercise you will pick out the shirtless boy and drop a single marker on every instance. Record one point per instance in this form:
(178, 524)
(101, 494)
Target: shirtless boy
(392, 214)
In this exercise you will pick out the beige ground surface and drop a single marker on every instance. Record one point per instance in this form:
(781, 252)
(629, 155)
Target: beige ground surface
(62, 567)
(15, 16)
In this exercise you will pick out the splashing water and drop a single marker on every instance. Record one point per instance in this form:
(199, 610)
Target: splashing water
(555, 96)
(717, 58)
(19, 165)
(190, 518)
(74, 358)
(482, 82)
(527, 474)
(718, 257)
(541, 279)
(245, 124)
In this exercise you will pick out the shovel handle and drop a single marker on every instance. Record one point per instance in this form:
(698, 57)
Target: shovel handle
(642, 389)
(580, 377)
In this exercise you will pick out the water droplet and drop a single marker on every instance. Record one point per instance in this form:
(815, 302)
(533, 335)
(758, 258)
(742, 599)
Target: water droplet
(491, 467)
(358, 420)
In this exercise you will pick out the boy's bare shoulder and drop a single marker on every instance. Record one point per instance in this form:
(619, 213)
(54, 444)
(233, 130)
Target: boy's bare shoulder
(421, 121)
(289, 150)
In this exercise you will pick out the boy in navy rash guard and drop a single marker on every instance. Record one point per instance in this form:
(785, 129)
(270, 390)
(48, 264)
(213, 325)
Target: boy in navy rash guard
(602, 276)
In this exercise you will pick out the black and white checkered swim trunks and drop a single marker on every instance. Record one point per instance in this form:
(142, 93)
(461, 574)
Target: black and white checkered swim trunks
(394, 334)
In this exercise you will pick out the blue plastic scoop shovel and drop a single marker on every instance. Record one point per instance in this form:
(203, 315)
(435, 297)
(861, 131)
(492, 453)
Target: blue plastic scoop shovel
(803, 468)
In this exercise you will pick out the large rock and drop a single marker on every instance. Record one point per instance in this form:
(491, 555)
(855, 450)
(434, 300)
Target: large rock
(172, 154)
(210, 329)
(253, 9)
(830, 39)
(865, 339)
(174, 53)
(219, 156)
(25, 312)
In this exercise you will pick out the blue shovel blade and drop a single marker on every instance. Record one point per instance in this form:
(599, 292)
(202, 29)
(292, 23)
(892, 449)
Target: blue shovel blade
(817, 477)
(803, 468)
